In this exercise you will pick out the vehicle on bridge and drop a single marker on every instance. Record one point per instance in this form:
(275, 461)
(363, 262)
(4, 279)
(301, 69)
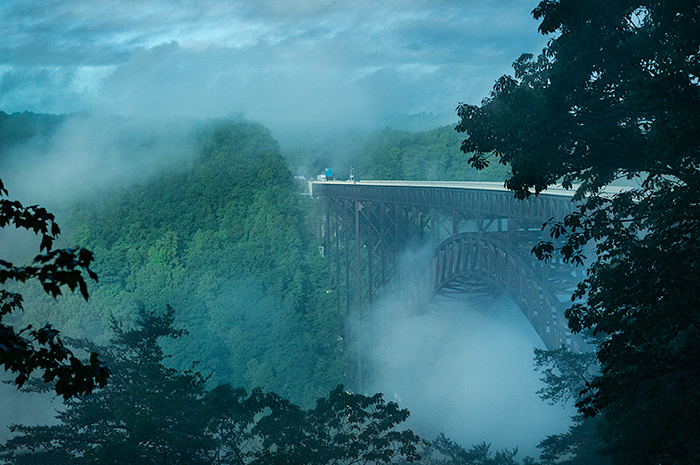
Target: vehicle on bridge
(326, 176)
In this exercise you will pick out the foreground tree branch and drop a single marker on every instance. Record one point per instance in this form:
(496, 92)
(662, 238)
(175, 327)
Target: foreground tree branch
(27, 350)
(615, 96)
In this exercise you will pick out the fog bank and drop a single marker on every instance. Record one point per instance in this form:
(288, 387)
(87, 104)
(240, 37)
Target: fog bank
(464, 366)
(91, 155)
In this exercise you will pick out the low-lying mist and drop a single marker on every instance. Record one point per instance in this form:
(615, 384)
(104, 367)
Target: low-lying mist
(91, 155)
(88, 157)
(462, 364)
(24, 408)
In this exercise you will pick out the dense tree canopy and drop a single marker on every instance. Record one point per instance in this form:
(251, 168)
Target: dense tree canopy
(225, 240)
(27, 350)
(17, 128)
(419, 156)
(451, 453)
(565, 375)
(616, 95)
(151, 414)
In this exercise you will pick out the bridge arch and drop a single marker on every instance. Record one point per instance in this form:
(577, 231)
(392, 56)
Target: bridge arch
(464, 257)
(477, 230)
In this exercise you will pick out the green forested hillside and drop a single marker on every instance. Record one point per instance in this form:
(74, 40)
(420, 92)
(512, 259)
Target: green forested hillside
(433, 155)
(226, 241)
(228, 244)
(20, 127)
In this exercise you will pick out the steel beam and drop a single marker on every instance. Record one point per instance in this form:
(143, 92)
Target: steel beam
(481, 237)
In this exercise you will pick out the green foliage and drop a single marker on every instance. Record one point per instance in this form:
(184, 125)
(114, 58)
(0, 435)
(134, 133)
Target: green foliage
(566, 375)
(21, 127)
(420, 156)
(147, 413)
(343, 428)
(151, 414)
(578, 446)
(479, 454)
(25, 351)
(226, 240)
(615, 95)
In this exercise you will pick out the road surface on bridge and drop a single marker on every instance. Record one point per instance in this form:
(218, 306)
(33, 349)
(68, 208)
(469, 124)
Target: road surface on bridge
(474, 185)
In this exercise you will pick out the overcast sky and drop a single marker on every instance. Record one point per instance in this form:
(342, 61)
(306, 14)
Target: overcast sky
(275, 61)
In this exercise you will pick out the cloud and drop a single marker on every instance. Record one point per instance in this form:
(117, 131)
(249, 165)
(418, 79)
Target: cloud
(90, 156)
(304, 61)
(463, 366)
(42, 89)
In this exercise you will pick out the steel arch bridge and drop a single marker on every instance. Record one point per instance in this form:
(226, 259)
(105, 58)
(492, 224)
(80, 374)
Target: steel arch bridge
(480, 235)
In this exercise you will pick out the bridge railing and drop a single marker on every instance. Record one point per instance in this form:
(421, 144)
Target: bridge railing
(473, 199)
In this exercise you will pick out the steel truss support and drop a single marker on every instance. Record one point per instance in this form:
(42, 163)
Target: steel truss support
(479, 237)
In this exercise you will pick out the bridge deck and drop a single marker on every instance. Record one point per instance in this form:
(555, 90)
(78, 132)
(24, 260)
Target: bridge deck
(471, 185)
